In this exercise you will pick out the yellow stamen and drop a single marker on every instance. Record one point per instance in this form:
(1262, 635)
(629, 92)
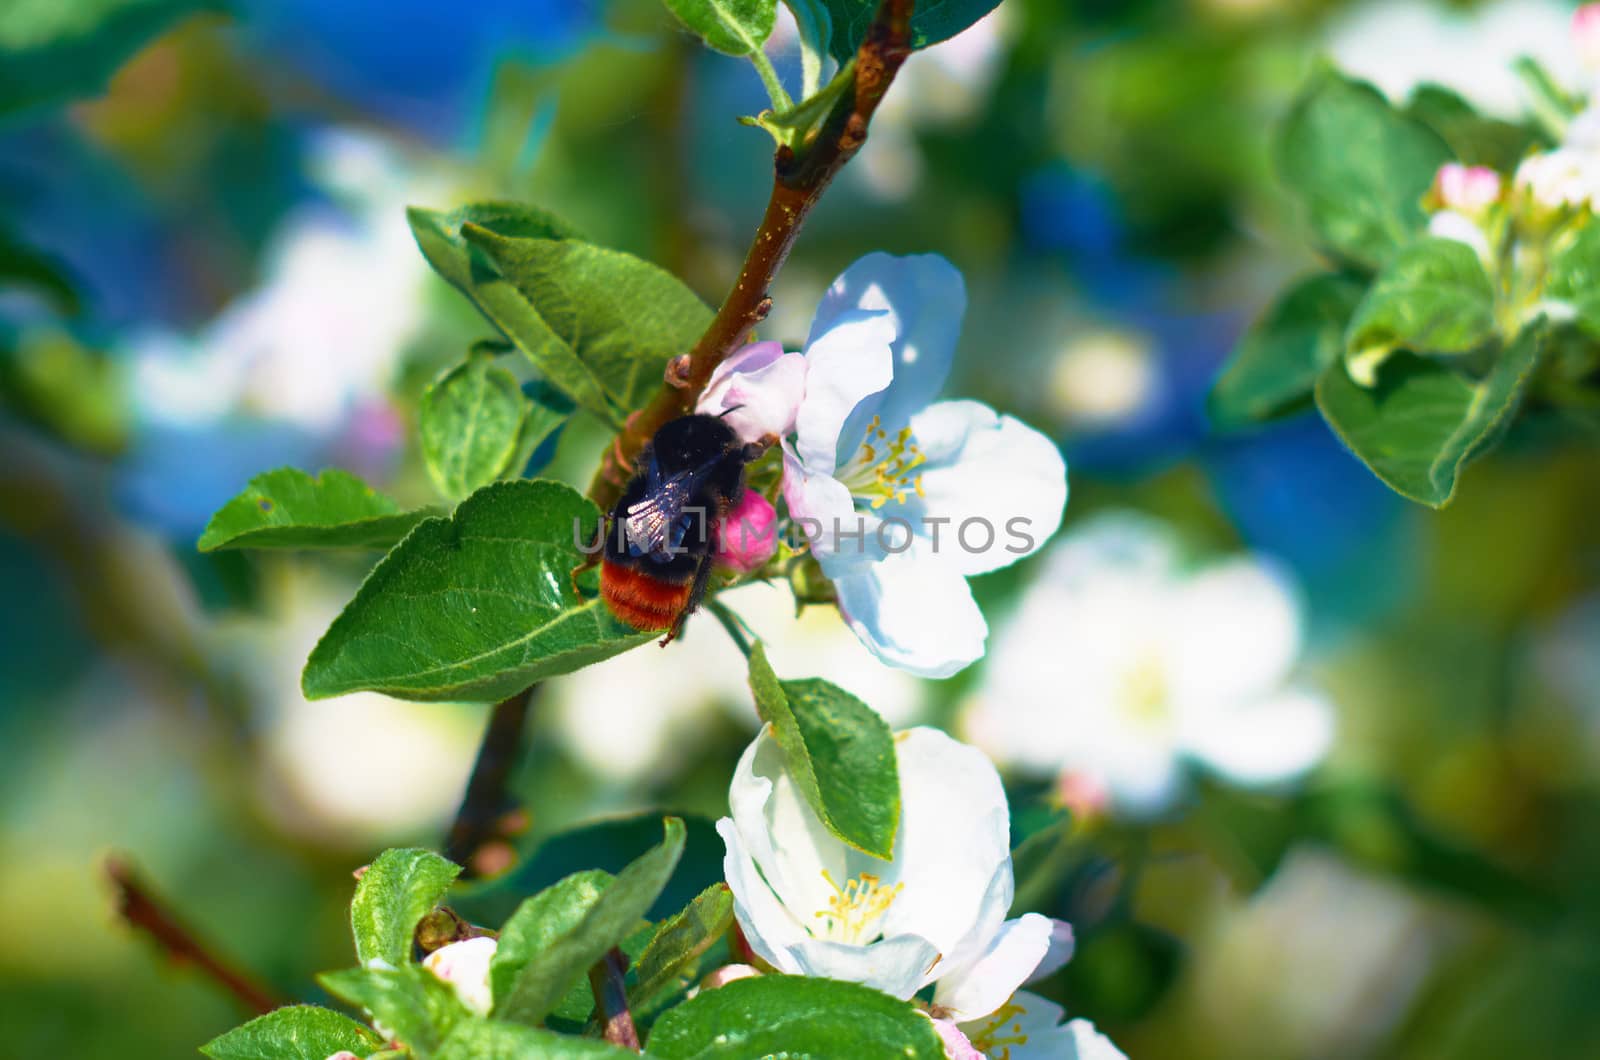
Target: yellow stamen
(854, 910)
(878, 479)
(991, 1038)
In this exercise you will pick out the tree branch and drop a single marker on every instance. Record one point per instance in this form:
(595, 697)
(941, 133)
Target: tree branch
(611, 999)
(799, 179)
(140, 908)
(478, 840)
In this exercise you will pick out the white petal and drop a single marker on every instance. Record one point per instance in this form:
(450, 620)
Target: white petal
(1087, 1044)
(914, 614)
(768, 927)
(1062, 945)
(842, 539)
(991, 916)
(1267, 742)
(984, 985)
(1236, 629)
(926, 298)
(762, 386)
(1003, 476)
(844, 365)
(788, 844)
(892, 965)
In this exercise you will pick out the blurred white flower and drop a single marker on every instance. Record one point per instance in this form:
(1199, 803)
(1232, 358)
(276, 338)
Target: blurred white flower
(465, 966)
(1565, 178)
(1400, 45)
(1028, 1027)
(1103, 377)
(1586, 35)
(343, 296)
(903, 498)
(1119, 665)
(657, 734)
(935, 914)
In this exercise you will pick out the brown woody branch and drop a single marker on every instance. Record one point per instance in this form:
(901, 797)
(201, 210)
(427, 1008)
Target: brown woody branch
(799, 179)
(611, 1000)
(480, 838)
(143, 911)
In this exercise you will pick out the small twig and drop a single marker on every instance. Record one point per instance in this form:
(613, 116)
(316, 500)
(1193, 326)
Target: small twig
(144, 911)
(611, 999)
(799, 179)
(487, 820)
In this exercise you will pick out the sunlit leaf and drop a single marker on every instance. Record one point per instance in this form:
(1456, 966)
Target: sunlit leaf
(495, 1040)
(394, 893)
(295, 1032)
(1432, 297)
(679, 942)
(290, 509)
(733, 27)
(412, 1003)
(471, 422)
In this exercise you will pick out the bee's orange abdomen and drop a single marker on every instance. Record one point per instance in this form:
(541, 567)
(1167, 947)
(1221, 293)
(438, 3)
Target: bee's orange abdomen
(640, 600)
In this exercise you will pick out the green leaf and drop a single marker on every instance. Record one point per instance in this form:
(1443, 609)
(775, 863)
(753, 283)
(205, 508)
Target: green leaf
(1474, 139)
(618, 318)
(51, 51)
(795, 1017)
(815, 27)
(932, 21)
(1277, 363)
(1574, 276)
(540, 921)
(547, 978)
(471, 421)
(733, 27)
(547, 415)
(679, 942)
(288, 508)
(397, 890)
(23, 266)
(1359, 167)
(297, 1032)
(476, 606)
(494, 1040)
(410, 1002)
(1432, 297)
(840, 753)
(1423, 421)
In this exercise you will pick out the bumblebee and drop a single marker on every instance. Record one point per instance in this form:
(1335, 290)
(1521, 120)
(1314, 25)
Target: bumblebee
(660, 539)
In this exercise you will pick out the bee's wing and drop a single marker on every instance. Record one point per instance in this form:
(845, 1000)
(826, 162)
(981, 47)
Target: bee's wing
(649, 524)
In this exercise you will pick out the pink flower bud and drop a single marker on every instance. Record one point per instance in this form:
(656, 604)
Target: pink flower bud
(1586, 35)
(344, 1054)
(1468, 190)
(1084, 795)
(728, 973)
(748, 535)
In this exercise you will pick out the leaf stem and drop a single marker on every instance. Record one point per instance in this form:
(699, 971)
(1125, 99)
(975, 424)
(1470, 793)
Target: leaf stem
(800, 176)
(769, 80)
(611, 999)
(478, 838)
(143, 911)
(732, 623)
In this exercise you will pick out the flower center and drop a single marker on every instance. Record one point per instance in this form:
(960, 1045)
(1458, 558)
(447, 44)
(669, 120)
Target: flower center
(1144, 692)
(884, 469)
(854, 910)
(994, 1038)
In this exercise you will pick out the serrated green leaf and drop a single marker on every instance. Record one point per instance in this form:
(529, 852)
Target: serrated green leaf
(1359, 167)
(52, 51)
(1423, 421)
(495, 1040)
(476, 606)
(1574, 276)
(619, 317)
(678, 943)
(548, 977)
(733, 27)
(840, 753)
(795, 1017)
(471, 422)
(410, 1002)
(296, 1032)
(1432, 297)
(1277, 363)
(398, 889)
(289, 509)
(540, 921)
(932, 21)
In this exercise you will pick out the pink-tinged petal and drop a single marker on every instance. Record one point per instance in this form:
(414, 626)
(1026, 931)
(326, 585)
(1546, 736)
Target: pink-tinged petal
(985, 984)
(926, 298)
(845, 365)
(841, 538)
(893, 965)
(757, 391)
(1586, 34)
(956, 1045)
(748, 535)
(729, 973)
(914, 615)
(1000, 485)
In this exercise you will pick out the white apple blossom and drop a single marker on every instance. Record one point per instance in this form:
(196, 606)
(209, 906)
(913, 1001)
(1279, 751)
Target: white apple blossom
(934, 914)
(465, 966)
(902, 498)
(1586, 35)
(1120, 665)
(1027, 1027)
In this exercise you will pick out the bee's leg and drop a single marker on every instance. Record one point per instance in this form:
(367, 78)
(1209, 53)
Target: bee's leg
(697, 592)
(591, 555)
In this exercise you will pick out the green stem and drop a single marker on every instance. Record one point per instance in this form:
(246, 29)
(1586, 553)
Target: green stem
(733, 624)
(769, 78)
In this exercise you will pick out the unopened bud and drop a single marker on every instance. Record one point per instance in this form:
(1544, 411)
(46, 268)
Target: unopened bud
(465, 966)
(728, 973)
(748, 535)
(1468, 190)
